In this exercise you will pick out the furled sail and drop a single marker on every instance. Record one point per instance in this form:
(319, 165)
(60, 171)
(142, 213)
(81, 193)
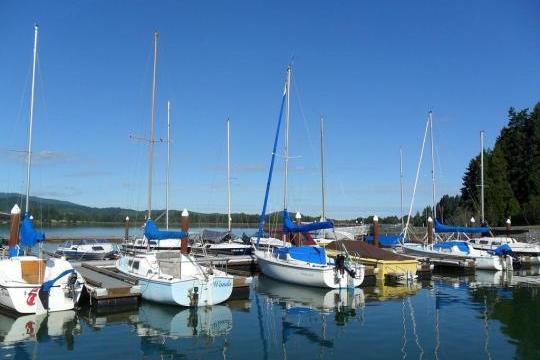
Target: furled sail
(29, 235)
(290, 227)
(152, 232)
(442, 228)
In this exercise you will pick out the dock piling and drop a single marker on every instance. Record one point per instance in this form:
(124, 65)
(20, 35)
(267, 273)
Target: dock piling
(376, 231)
(184, 225)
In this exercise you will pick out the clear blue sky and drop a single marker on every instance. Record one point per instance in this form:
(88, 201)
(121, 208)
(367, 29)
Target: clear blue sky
(373, 68)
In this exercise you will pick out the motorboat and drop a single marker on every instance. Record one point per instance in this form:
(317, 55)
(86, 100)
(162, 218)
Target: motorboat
(89, 249)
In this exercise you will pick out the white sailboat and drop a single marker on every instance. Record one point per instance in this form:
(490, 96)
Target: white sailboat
(29, 284)
(172, 277)
(303, 265)
(222, 242)
(523, 252)
(459, 253)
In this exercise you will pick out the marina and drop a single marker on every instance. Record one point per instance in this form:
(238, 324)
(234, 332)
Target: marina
(191, 180)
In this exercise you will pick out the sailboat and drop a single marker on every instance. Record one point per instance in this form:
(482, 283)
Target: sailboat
(222, 242)
(522, 252)
(29, 284)
(326, 236)
(303, 265)
(172, 277)
(458, 253)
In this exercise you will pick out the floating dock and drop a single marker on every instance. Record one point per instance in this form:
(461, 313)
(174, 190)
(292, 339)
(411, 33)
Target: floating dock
(107, 288)
(388, 265)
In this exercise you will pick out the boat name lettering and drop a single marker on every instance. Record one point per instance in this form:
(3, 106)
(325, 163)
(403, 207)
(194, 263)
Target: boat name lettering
(222, 283)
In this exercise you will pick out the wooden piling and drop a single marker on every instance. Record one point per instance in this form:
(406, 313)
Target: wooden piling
(430, 230)
(126, 229)
(376, 231)
(508, 227)
(184, 225)
(14, 228)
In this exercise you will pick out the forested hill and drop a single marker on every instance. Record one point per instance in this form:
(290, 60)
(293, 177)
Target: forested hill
(51, 211)
(511, 176)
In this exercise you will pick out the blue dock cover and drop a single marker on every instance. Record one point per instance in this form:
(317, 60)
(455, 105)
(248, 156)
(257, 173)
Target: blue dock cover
(385, 240)
(310, 254)
(152, 232)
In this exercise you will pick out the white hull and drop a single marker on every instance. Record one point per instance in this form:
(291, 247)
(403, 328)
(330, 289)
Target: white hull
(20, 295)
(177, 280)
(482, 260)
(526, 252)
(300, 273)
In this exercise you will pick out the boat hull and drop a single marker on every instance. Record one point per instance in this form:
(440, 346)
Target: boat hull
(22, 297)
(191, 292)
(323, 277)
(481, 262)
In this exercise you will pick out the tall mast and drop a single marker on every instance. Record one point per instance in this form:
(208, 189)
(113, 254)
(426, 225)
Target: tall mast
(401, 186)
(31, 124)
(323, 217)
(482, 176)
(434, 209)
(229, 219)
(168, 164)
(287, 121)
(151, 140)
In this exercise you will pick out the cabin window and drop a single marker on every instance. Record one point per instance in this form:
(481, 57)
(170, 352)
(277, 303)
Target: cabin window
(282, 256)
(496, 243)
(97, 248)
(136, 265)
(483, 242)
(130, 262)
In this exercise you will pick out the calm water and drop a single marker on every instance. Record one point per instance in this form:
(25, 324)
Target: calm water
(489, 315)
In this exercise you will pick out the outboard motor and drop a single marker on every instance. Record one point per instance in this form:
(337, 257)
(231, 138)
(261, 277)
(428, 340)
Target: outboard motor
(71, 282)
(340, 264)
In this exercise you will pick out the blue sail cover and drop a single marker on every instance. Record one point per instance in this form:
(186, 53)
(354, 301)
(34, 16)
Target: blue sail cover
(441, 228)
(30, 236)
(290, 227)
(504, 249)
(462, 245)
(310, 254)
(152, 232)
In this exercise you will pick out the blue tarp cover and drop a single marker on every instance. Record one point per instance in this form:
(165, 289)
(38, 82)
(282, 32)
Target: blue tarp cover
(30, 236)
(310, 254)
(504, 249)
(441, 228)
(152, 232)
(290, 227)
(462, 245)
(385, 240)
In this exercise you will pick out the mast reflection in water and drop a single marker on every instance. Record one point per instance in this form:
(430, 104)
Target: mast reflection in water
(487, 315)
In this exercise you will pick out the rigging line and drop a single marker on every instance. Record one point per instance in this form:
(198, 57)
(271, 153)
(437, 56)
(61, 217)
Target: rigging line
(413, 320)
(416, 181)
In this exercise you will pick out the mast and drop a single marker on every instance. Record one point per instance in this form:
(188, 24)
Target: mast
(229, 219)
(401, 185)
(482, 177)
(168, 164)
(434, 210)
(323, 217)
(31, 124)
(287, 124)
(151, 140)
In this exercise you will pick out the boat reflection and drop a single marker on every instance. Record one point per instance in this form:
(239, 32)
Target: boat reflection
(322, 300)
(40, 328)
(158, 319)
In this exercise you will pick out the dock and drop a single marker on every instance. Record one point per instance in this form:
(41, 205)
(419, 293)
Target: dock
(104, 287)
